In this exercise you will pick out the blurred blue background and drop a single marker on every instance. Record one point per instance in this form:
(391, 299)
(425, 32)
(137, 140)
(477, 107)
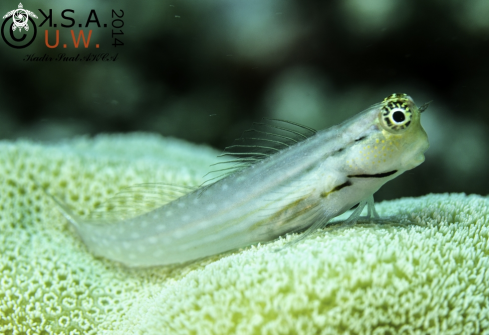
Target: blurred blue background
(203, 70)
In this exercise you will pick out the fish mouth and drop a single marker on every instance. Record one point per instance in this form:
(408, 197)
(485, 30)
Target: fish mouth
(416, 160)
(420, 159)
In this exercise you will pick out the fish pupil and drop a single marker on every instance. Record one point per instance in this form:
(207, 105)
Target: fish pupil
(399, 116)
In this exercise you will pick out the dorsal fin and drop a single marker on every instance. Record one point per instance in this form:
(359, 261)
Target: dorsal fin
(260, 142)
(136, 200)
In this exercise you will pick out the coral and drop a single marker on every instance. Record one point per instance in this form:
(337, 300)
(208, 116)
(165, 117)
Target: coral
(401, 278)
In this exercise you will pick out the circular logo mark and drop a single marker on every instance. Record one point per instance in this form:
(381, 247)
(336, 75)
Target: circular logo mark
(19, 41)
(20, 20)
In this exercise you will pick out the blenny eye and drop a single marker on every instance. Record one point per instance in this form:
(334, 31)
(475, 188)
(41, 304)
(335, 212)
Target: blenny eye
(395, 115)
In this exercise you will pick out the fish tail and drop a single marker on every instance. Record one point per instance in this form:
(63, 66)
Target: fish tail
(63, 208)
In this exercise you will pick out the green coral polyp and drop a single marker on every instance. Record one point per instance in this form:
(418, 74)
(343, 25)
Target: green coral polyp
(402, 279)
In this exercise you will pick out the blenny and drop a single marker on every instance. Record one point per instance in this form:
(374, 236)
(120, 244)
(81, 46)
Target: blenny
(285, 178)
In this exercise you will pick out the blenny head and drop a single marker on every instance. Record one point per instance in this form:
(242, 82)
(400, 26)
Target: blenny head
(401, 134)
(389, 137)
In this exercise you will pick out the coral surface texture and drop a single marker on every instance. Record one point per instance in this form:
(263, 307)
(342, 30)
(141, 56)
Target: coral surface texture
(427, 272)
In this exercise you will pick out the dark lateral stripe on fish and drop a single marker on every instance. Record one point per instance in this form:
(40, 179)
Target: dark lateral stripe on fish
(378, 175)
(336, 188)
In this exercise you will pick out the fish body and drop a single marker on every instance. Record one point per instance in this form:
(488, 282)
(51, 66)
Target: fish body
(300, 186)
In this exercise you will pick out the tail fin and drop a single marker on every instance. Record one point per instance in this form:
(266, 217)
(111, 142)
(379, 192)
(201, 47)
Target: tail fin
(63, 208)
(128, 203)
